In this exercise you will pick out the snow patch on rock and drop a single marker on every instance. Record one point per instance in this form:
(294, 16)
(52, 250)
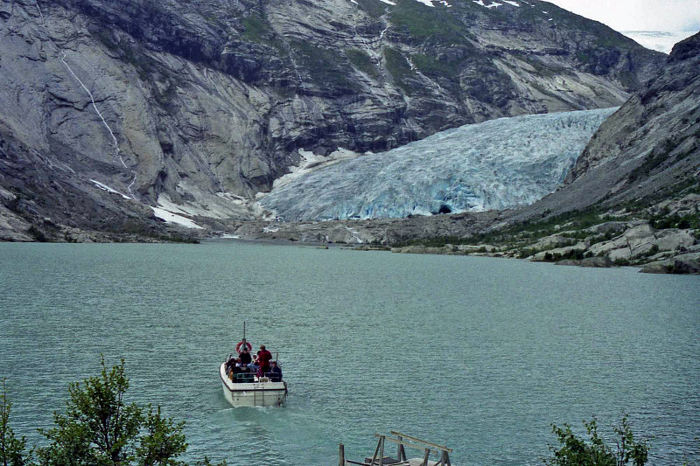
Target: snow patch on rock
(171, 213)
(104, 187)
(490, 5)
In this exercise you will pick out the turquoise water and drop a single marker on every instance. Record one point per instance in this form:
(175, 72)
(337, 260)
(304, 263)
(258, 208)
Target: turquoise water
(479, 354)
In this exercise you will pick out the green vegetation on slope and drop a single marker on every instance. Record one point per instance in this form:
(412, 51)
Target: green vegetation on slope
(362, 61)
(327, 67)
(257, 29)
(425, 23)
(400, 70)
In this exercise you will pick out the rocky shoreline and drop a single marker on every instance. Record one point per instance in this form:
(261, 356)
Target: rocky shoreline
(666, 241)
(681, 260)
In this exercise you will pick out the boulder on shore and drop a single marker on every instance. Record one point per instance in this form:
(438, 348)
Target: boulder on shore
(588, 262)
(683, 264)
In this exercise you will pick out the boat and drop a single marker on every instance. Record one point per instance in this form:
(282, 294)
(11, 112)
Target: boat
(248, 389)
(255, 391)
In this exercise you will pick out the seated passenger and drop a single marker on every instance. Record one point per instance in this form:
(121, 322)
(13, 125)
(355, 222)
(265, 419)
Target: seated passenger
(253, 366)
(275, 373)
(229, 364)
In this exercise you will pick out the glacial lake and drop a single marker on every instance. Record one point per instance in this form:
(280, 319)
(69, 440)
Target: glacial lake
(479, 354)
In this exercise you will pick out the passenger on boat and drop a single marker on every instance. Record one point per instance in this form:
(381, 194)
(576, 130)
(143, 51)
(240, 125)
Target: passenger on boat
(264, 358)
(243, 374)
(245, 356)
(232, 368)
(254, 365)
(275, 373)
(230, 364)
(243, 344)
(236, 370)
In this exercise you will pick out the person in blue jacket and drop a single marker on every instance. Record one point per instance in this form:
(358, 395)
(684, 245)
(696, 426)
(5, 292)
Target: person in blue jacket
(275, 372)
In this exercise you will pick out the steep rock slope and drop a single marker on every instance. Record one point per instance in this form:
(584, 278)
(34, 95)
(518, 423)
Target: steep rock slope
(203, 103)
(648, 150)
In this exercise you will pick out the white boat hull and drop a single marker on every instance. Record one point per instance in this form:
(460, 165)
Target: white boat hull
(252, 394)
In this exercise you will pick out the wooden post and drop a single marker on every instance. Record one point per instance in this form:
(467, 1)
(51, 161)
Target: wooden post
(341, 455)
(376, 450)
(400, 451)
(446, 457)
(381, 451)
(426, 457)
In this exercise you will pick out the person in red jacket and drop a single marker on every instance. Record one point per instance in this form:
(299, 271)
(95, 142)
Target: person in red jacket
(264, 358)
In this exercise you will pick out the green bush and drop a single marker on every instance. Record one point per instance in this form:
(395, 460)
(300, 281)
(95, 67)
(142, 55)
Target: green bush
(675, 221)
(576, 451)
(11, 447)
(98, 427)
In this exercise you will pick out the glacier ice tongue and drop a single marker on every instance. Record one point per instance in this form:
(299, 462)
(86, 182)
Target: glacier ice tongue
(492, 165)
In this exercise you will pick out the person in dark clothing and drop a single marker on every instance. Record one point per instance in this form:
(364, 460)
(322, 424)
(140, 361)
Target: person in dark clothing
(275, 373)
(245, 375)
(264, 358)
(236, 370)
(232, 367)
(245, 357)
(229, 364)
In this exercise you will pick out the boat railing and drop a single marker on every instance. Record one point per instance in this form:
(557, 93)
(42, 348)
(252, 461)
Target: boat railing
(249, 377)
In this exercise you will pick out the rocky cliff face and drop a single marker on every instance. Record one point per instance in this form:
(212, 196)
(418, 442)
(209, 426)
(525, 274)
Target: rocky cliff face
(196, 105)
(648, 150)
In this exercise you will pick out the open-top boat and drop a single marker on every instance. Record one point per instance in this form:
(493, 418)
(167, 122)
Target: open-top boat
(243, 387)
(252, 390)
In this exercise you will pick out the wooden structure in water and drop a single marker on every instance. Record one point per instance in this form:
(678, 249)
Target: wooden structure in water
(402, 442)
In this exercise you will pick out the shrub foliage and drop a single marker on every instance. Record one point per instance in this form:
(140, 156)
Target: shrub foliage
(98, 427)
(576, 451)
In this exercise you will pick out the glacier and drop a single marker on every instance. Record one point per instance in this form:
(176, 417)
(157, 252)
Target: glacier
(496, 164)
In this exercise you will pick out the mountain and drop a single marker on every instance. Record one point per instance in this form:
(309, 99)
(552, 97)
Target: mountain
(109, 109)
(648, 150)
(632, 197)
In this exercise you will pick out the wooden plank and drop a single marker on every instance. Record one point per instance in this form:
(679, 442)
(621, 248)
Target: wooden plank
(341, 455)
(416, 439)
(388, 460)
(408, 444)
(355, 462)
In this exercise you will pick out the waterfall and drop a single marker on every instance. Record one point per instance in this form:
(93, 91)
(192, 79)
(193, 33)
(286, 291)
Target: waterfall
(63, 56)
